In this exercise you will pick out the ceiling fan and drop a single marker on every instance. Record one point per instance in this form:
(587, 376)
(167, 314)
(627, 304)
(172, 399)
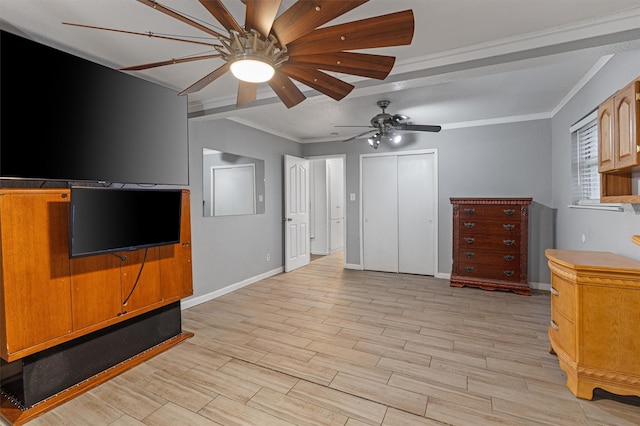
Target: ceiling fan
(386, 126)
(278, 48)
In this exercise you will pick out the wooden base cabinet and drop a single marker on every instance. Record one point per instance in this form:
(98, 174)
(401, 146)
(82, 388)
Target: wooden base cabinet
(46, 298)
(490, 239)
(594, 320)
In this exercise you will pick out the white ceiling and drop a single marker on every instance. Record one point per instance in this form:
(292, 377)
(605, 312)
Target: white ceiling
(470, 62)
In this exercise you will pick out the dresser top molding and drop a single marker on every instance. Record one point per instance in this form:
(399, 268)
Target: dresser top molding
(477, 200)
(594, 267)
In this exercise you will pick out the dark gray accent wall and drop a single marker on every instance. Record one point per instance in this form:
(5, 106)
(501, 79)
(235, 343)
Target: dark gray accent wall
(504, 160)
(227, 250)
(603, 230)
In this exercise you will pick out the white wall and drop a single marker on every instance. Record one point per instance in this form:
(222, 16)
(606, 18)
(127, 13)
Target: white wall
(228, 250)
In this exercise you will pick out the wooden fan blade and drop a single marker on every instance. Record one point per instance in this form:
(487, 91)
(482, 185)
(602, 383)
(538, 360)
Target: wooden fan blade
(362, 64)
(418, 127)
(222, 15)
(322, 82)
(260, 15)
(148, 34)
(204, 81)
(305, 16)
(157, 6)
(288, 93)
(247, 93)
(394, 29)
(358, 136)
(169, 62)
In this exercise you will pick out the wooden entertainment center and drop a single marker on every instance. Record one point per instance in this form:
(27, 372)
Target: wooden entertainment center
(53, 304)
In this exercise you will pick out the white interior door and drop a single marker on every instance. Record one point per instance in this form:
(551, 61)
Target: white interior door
(380, 213)
(417, 214)
(296, 220)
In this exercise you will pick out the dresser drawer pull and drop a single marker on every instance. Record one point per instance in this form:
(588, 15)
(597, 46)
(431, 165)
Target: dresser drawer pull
(469, 224)
(509, 227)
(468, 268)
(509, 242)
(509, 257)
(509, 212)
(469, 211)
(469, 240)
(508, 273)
(469, 254)
(554, 325)
(554, 291)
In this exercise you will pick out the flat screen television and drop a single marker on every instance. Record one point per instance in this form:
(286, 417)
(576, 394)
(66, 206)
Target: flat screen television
(65, 118)
(106, 220)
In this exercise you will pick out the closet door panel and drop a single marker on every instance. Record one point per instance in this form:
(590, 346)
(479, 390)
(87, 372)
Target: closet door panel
(416, 214)
(380, 213)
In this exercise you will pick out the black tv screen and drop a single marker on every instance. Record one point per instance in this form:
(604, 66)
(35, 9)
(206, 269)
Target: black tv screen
(67, 118)
(105, 220)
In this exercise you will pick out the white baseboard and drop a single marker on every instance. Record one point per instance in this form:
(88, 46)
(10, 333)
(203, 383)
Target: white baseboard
(193, 301)
(353, 266)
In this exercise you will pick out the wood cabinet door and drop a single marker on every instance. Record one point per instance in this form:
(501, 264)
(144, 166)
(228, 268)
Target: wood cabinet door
(175, 260)
(605, 136)
(95, 289)
(625, 123)
(140, 277)
(35, 282)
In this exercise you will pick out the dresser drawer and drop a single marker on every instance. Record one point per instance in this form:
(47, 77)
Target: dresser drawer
(495, 211)
(491, 227)
(502, 258)
(563, 297)
(490, 242)
(563, 332)
(489, 271)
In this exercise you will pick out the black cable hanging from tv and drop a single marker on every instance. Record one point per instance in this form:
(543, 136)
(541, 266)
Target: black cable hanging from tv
(144, 259)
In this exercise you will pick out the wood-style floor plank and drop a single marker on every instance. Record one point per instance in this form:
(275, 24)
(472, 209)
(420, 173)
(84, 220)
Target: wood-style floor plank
(323, 345)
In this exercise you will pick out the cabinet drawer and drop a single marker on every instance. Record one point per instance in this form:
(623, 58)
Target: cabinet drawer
(496, 211)
(563, 332)
(491, 227)
(563, 299)
(494, 272)
(491, 242)
(507, 259)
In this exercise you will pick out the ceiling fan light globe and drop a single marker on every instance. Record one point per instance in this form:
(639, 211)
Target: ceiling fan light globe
(252, 70)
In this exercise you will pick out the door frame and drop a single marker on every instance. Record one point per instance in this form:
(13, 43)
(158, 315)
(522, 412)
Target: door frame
(433, 151)
(343, 157)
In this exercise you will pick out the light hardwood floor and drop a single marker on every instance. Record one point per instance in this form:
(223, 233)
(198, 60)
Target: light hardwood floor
(326, 346)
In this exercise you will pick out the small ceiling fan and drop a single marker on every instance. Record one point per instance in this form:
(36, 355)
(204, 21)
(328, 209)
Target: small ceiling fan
(286, 46)
(386, 126)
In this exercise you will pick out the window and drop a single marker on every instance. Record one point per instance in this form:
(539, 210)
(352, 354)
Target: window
(586, 179)
(584, 165)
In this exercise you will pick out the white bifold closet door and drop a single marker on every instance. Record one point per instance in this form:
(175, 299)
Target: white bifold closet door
(399, 213)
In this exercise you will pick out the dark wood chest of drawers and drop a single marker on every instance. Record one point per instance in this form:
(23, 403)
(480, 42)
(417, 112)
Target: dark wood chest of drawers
(490, 238)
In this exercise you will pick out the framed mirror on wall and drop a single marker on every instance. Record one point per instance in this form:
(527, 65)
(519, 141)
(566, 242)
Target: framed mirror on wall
(231, 184)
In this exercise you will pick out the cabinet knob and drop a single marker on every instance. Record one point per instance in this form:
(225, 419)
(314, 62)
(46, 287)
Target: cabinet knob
(469, 240)
(469, 211)
(468, 268)
(469, 254)
(509, 257)
(509, 242)
(509, 212)
(553, 325)
(508, 273)
(509, 226)
(469, 224)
